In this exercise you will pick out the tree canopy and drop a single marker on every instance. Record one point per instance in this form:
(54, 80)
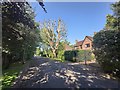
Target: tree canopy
(107, 43)
(52, 33)
(19, 31)
(113, 21)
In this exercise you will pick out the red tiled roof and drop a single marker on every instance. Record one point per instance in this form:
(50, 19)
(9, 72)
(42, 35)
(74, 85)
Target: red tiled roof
(67, 47)
(91, 38)
(79, 43)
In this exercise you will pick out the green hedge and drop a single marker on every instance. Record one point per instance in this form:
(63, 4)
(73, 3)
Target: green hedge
(107, 50)
(60, 55)
(78, 55)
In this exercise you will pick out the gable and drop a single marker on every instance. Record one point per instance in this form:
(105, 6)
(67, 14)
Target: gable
(87, 43)
(87, 39)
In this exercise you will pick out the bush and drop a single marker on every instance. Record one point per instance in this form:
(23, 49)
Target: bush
(107, 50)
(60, 55)
(78, 55)
(10, 74)
(37, 52)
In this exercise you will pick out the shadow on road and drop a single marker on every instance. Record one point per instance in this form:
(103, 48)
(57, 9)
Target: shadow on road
(46, 73)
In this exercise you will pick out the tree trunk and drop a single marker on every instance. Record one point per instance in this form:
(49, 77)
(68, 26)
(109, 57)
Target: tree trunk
(46, 53)
(85, 62)
(85, 58)
(54, 53)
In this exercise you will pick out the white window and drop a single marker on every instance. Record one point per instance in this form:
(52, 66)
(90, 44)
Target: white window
(87, 45)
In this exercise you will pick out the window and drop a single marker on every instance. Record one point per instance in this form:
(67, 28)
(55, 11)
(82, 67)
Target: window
(87, 45)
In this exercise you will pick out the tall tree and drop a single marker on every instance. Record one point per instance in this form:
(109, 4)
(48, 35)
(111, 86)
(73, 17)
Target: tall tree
(116, 10)
(110, 22)
(19, 31)
(113, 21)
(52, 33)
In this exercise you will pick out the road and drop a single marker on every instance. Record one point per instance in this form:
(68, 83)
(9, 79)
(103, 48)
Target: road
(46, 73)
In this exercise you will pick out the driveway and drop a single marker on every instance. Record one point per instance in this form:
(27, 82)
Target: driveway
(46, 73)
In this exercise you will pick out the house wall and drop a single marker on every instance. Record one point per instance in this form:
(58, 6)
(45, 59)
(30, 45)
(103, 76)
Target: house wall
(78, 47)
(87, 41)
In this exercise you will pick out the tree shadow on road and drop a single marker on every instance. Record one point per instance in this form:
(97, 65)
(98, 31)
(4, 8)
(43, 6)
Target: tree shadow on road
(54, 74)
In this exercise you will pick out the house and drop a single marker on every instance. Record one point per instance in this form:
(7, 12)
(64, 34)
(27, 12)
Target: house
(67, 47)
(85, 44)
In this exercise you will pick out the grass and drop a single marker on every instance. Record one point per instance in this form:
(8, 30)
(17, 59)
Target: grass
(10, 74)
(57, 59)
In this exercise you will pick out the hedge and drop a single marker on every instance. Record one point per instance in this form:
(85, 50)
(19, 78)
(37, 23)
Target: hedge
(60, 55)
(78, 55)
(107, 50)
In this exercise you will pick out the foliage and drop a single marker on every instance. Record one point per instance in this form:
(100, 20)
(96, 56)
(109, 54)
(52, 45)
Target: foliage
(37, 51)
(9, 75)
(60, 54)
(116, 9)
(107, 43)
(45, 50)
(52, 33)
(78, 55)
(48, 53)
(110, 22)
(19, 32)
(107, 50)
(113, 21)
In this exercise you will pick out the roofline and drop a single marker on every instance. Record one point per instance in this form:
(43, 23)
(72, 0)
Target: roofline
(84, 40)
(79, 41)
(89, 38)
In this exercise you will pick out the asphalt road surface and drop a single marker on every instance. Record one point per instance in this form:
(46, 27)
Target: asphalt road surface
(46, 73)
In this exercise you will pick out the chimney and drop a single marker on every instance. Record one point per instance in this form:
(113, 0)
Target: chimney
(95, 33)
(76, 41)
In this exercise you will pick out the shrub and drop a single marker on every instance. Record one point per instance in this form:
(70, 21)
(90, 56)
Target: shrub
(60, 55)
(38, 51)
(107, 50)
(70, 55)
(10, 74)
(78, 55)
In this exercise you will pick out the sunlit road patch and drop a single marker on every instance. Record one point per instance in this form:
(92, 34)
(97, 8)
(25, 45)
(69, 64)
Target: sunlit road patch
(46, 73)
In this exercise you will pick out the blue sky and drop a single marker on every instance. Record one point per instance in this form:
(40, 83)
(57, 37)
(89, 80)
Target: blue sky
(81, 18)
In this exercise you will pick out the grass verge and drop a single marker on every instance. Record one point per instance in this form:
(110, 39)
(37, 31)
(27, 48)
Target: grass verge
(57, 59)
(10, 74)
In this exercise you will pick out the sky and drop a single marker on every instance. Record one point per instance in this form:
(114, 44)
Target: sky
(81, 18)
